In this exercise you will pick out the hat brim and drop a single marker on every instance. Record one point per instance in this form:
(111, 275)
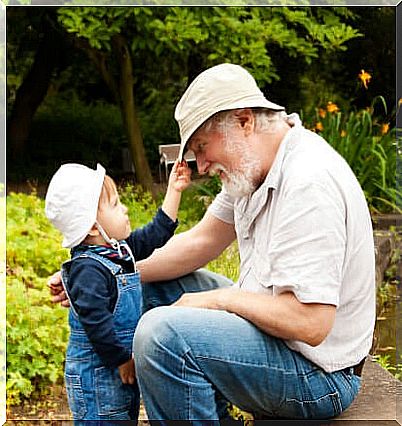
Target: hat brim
(251, 103)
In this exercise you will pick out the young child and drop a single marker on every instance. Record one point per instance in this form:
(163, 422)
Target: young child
(103, 285)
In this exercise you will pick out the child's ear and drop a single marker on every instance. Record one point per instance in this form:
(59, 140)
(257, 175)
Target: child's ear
(93, 232)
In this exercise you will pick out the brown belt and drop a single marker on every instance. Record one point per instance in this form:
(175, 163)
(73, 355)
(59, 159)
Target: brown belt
(358, 368)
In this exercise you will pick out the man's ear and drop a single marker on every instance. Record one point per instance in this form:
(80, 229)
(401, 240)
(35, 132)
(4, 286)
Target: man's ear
(246, 120)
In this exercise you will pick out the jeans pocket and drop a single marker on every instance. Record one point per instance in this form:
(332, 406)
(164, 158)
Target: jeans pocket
(325, 407)
(311, 396)
(112, 395)
(75, 396)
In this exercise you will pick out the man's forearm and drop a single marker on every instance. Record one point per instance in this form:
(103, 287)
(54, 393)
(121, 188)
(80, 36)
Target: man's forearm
(281, 316)
(164, 263)
(188, 251)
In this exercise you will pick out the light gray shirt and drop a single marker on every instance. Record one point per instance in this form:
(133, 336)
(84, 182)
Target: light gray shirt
(307, 229)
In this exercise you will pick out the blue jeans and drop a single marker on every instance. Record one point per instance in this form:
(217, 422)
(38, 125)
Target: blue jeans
(189, 360)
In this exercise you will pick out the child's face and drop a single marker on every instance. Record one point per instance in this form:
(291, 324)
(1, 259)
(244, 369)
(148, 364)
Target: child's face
(112, 216)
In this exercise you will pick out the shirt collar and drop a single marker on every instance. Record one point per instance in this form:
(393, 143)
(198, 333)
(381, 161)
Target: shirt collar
(273, 177)
(251, 205)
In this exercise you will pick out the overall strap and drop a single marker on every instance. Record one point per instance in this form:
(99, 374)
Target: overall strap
(113, 267)
(65, 271)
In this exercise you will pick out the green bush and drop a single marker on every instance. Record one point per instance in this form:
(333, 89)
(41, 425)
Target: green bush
(37, 331)
(36, 339)
(33, 245)
(369, 147)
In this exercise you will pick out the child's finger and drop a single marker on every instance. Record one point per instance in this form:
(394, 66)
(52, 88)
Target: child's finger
(183, 169)
(182, 163)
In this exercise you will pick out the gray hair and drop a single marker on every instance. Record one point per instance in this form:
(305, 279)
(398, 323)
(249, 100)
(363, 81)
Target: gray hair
(265, 119)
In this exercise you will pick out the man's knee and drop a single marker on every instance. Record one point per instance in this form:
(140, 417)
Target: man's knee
(157, 333)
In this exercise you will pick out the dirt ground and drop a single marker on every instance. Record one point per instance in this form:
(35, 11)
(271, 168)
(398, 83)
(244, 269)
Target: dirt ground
(51, 407)
(50, 410)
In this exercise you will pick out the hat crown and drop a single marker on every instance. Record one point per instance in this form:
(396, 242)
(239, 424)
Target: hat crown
(72, 199)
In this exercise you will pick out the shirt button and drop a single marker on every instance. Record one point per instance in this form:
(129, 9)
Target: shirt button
(124, 281)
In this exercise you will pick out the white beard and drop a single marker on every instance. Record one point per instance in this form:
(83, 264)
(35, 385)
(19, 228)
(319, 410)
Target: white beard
(237, 184)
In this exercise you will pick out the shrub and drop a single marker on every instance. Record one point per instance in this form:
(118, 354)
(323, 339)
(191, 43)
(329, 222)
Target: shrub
(2, 296)
(37, 331)
(369, 147)
(36, 339)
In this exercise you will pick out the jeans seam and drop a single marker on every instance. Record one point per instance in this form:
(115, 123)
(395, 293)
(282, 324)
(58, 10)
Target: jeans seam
(335, 396)
(234, 361)
(188, 390)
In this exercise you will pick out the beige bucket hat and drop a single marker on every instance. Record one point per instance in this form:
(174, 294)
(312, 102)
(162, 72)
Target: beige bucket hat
(220, 88)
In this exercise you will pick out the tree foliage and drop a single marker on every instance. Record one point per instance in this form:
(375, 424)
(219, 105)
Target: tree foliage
(242, 35)
(166, 47)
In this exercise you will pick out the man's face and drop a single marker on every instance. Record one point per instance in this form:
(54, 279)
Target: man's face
(229, 155)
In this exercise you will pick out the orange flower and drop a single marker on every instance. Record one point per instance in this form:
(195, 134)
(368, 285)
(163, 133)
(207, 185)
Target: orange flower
(343, 133)
(319, 126)
(365, 78)
(331, 107)
(384, 128)
(322, 113)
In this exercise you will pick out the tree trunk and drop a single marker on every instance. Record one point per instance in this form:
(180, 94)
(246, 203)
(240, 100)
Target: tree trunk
(32, 91)
(130, 118)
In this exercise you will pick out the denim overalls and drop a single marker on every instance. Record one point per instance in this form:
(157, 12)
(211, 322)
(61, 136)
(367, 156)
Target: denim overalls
(96, 392)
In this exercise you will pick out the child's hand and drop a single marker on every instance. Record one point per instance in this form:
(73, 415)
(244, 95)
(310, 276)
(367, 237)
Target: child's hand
(180, 176)
(57, 290)
(127, 372)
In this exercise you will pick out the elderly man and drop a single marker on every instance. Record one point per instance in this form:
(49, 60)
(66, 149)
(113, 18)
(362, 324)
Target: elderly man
(289, 339)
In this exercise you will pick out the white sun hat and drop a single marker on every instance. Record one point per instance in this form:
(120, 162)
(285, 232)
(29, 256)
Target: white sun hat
(72, 201)
(220, 88)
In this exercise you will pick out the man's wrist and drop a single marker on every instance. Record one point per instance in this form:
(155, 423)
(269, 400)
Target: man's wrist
(224, 299)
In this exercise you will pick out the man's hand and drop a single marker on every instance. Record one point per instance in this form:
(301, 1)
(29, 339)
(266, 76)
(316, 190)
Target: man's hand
(127, 372)
(211, 299)
(57, 290)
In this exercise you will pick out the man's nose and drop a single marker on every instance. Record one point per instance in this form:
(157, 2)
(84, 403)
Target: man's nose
(202, 164)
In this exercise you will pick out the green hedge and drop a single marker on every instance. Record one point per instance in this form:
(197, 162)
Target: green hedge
(37, 331)
(369, 146)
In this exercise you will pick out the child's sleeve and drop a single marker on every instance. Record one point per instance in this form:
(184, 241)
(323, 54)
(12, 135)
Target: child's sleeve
(93, 295)
(155, 234)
